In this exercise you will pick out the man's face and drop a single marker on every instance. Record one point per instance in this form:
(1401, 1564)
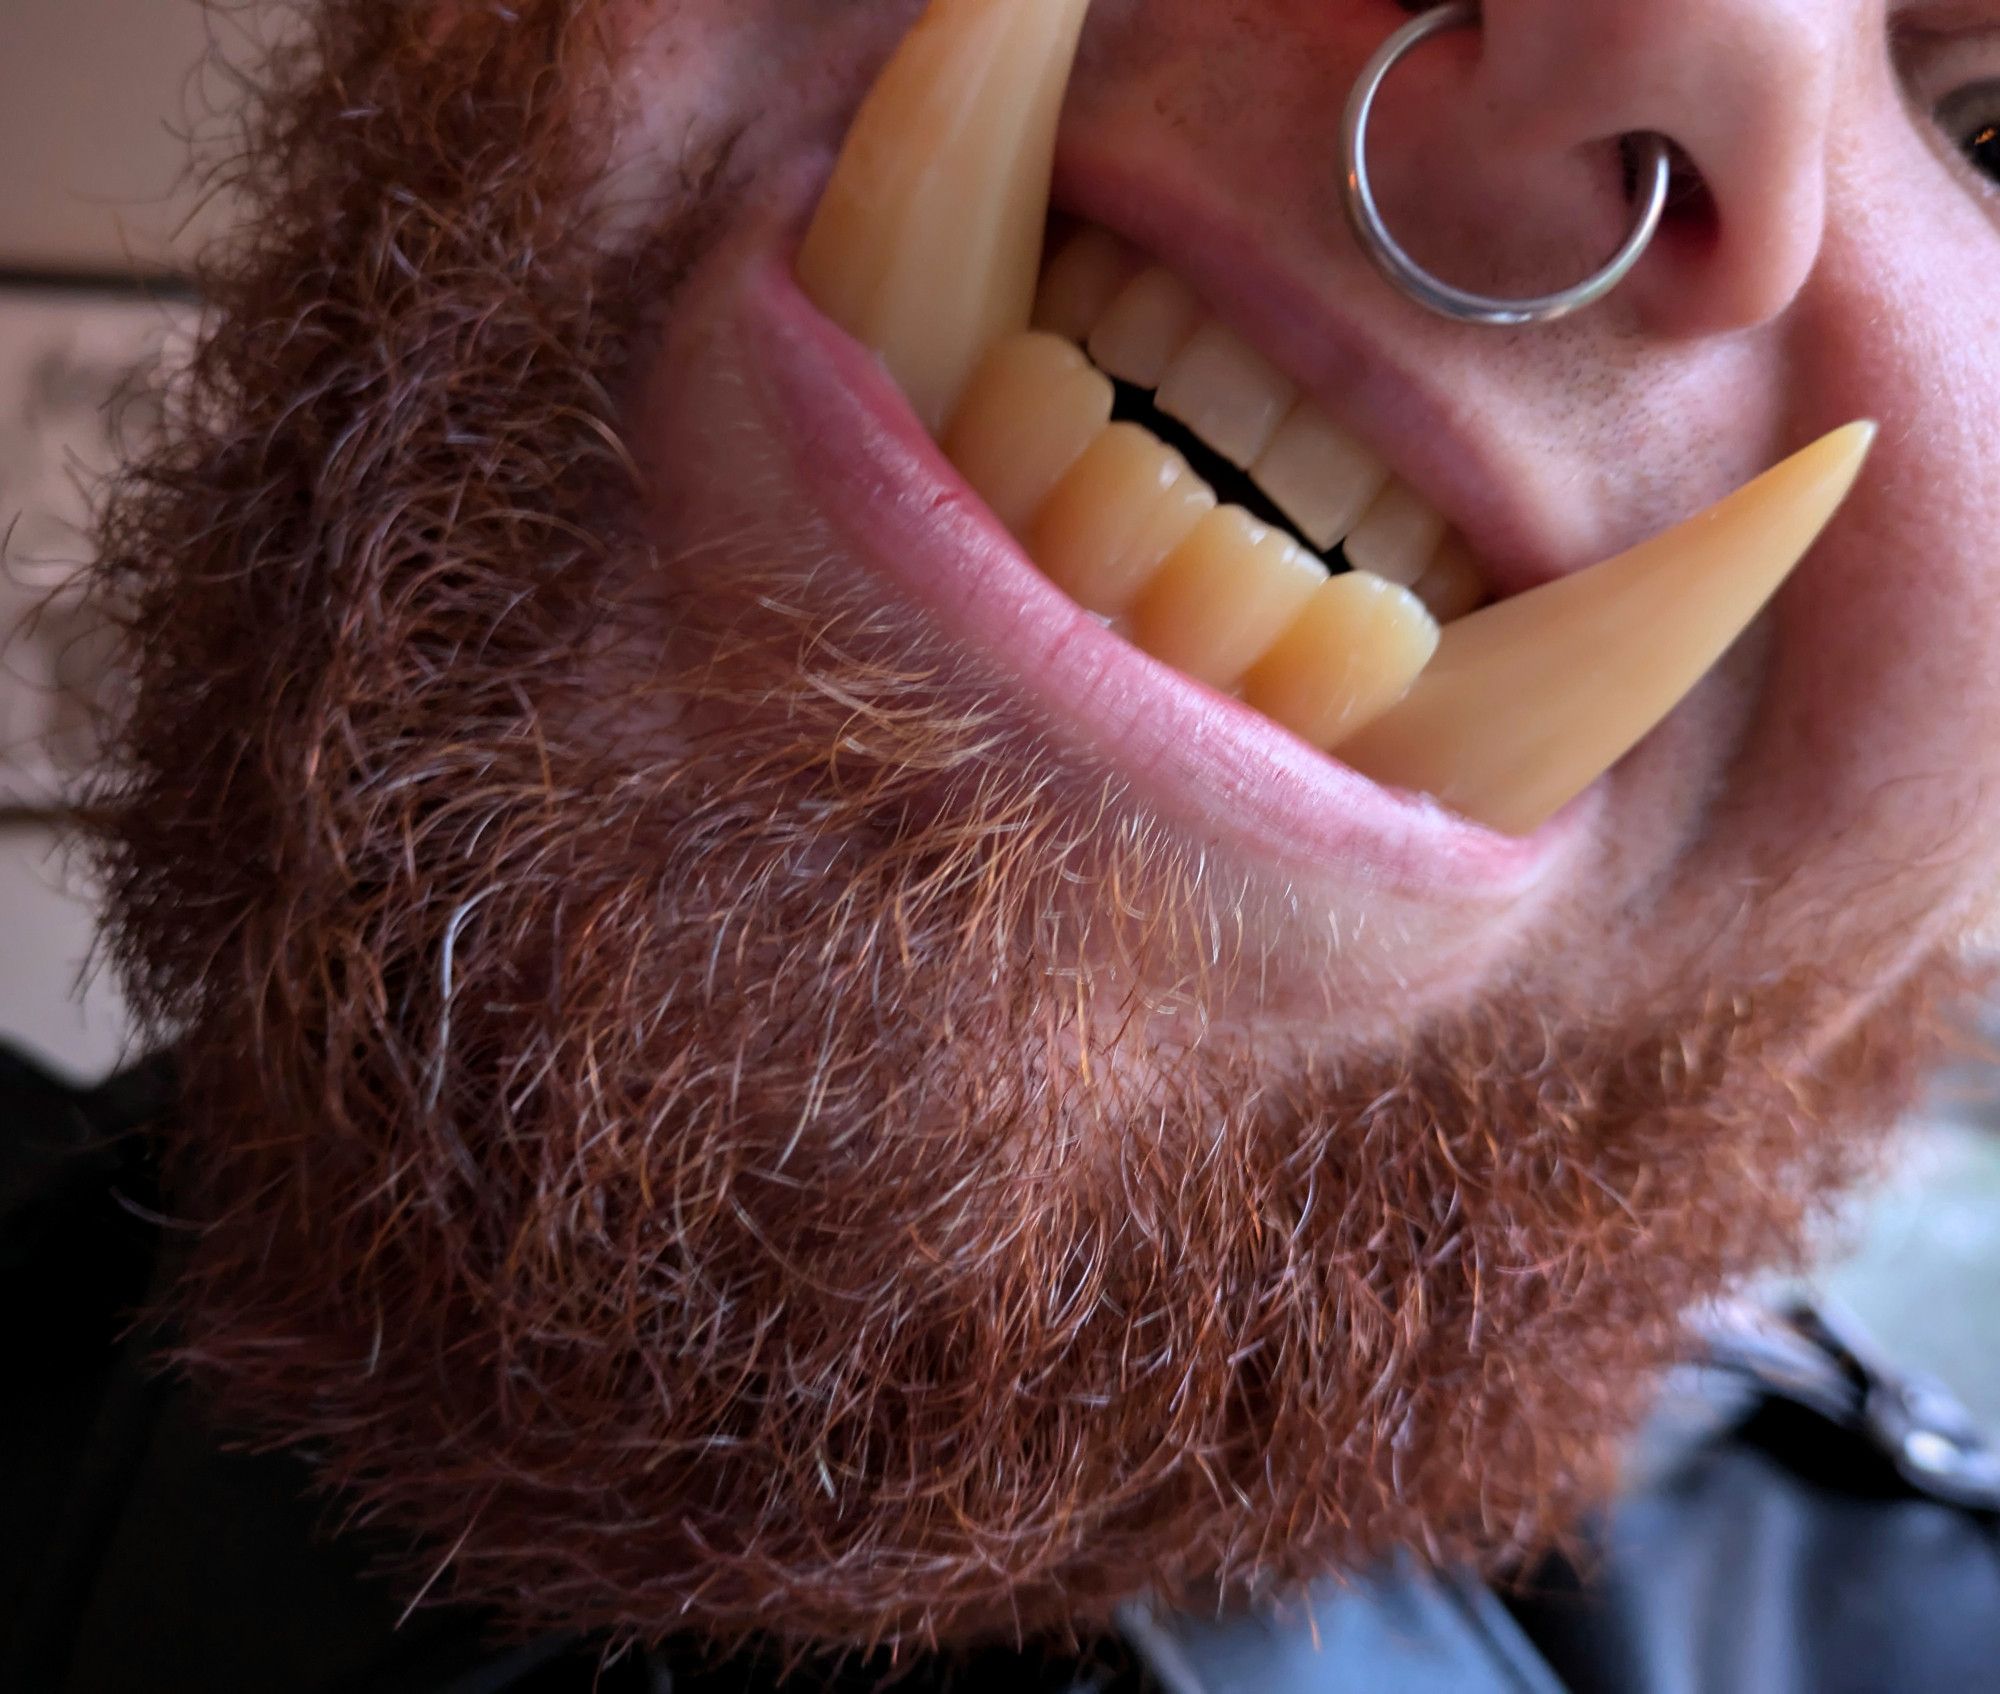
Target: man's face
(1822, 272)
(751, 1064)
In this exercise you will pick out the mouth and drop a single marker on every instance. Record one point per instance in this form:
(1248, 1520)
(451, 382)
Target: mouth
(1175, 485)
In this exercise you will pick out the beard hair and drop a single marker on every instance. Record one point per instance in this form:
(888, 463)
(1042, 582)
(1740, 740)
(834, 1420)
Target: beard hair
(710, 1142)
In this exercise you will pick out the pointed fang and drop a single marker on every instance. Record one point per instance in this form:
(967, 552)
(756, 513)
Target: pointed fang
(927, 244)
(1528, 702)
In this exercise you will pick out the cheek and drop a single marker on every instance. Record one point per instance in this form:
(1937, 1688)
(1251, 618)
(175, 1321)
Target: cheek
(754, 82)
(1880, 741)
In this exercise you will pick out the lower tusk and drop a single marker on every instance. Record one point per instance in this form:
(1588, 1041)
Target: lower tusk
(1528, 702)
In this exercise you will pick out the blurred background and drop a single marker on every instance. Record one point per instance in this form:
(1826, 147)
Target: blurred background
(98, 220)
(98, 217)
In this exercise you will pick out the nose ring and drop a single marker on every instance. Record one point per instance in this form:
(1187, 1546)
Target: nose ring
(1431, 292)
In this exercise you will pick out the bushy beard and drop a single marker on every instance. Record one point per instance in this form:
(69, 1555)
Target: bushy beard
(680, 1122)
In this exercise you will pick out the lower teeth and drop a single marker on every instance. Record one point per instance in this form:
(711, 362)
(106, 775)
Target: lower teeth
(1125, 523)
(1135, 405)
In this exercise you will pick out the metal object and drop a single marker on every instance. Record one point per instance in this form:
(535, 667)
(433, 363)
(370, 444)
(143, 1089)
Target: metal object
(1815, 1354)
(1432, 293)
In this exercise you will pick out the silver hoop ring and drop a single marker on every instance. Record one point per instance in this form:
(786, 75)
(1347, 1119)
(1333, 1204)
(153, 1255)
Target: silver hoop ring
(1431, 292)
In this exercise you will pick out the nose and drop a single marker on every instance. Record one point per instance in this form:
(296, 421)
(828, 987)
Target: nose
(1744, 89)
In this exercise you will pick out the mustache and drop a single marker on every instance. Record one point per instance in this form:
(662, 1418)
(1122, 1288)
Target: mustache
(677, 1122)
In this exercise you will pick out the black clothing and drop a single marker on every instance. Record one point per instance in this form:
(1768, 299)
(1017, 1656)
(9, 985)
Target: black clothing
(1800, 1522)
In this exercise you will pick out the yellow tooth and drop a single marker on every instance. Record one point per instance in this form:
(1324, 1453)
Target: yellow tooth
(1081, 281)
(1452, 583)
(1318, 475)
(1396, 535)
(1124, 506)
(1152, 319)
(1529, 701)
(1227, 392)
(1029, 412)
(1223, 596)
(1349, 656)
(928, 239)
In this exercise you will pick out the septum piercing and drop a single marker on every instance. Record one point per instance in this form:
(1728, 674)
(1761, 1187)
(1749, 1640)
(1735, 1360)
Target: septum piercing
(1431, 292)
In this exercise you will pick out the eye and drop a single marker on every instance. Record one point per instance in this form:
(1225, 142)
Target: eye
(1971, 118)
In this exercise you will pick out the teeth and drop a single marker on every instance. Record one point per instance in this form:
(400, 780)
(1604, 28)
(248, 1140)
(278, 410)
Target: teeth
(1452, 583)
(1529, 701)
(926, 248)
(1227, 393)
(1397, 536)
(927, 242)
(1030, 411)
(1127, 503)
(1349, 656)
(1081, 282)
(1224, 596)
(1153, 318)
(1318, 475)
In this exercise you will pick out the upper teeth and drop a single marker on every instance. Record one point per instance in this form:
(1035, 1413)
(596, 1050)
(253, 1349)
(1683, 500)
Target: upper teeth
(926, 248)
(1320, 475)
(1227, 393)
(1144, 326)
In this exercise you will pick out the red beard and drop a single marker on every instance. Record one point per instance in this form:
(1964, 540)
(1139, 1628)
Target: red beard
(722, 1184)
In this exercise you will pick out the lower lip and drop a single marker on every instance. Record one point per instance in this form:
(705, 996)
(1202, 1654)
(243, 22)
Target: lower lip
(1207, 763)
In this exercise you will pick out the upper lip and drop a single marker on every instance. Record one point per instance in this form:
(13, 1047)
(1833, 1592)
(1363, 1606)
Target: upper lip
(1387, 399)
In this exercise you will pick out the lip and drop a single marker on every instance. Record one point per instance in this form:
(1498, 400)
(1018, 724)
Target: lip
(1390, 401)
(1207, 763)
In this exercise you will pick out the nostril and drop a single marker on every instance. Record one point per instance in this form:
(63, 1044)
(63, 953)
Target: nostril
(1689, 240)
(1688, 196)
